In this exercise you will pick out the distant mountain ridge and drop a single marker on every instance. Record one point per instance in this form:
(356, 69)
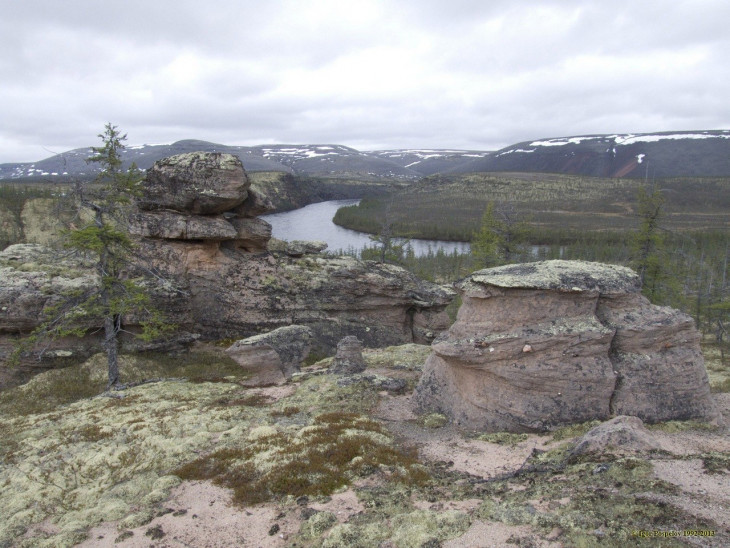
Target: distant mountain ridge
(664, 154)
(634, 155)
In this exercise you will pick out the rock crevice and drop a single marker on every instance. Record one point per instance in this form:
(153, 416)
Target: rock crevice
(540, 345)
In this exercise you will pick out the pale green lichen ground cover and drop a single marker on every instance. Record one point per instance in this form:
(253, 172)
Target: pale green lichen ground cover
(116, 456)
(73, 459)
(107, 459)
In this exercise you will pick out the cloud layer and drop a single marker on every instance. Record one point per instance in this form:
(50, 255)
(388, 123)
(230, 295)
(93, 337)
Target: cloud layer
(368, 74)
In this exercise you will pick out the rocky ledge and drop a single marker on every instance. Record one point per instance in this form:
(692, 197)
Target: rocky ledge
(545, 344)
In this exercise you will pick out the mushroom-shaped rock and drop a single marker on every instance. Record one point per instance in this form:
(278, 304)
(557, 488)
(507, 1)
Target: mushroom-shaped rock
(274, 356)
(544, 344)
(348, 359)
(201, 183)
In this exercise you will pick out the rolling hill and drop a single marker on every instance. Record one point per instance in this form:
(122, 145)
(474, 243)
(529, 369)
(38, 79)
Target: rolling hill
(641, 155)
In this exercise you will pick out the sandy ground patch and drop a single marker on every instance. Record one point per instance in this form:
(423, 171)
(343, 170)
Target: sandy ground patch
(200, 514)
(273, 393)
(395, 408)
(342, 505)
(203, 517)
(703, 494)
(475, 457)
(491, 534)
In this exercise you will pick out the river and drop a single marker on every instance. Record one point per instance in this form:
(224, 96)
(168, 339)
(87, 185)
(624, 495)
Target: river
(314, 222)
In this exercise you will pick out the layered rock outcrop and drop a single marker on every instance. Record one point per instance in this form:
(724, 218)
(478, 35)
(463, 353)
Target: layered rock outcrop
(238, 290)
(235, 294)
(34, 279)
(540, 345)
(205, 237)
(202, 196)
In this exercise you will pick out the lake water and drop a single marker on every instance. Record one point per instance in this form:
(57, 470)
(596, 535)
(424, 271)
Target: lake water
(314, 222)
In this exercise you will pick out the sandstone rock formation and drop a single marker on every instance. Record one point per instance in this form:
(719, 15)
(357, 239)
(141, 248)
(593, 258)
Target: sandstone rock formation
(543, 344)
(195, 227)
(256, 203)
(33, 279)
(236, 294)
(348, 359)
(238, 290)
(272, 357)
(298, 248)
(202, 196)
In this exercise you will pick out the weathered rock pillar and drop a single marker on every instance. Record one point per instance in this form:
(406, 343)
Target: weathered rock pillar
(544, 344)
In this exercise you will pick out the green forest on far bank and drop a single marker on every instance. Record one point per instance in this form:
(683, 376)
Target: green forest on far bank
(548, 216)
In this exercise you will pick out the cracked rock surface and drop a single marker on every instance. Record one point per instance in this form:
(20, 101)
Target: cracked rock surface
(540, 345)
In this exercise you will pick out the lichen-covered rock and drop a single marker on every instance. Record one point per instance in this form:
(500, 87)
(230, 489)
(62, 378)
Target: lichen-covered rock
(201, 183)
(251, 234)
(256, 203)
(348, 359)
(274, 356)
(379, 304)
(620, 435)
(298, 248)
(545, 344)
(171, 225)
(34, 278)
(231, 293)
(44, 219)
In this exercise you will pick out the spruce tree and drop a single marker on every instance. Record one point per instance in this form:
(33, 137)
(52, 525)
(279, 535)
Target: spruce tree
(487, 240)
(500, 237)
(104, 241)
(647, 246)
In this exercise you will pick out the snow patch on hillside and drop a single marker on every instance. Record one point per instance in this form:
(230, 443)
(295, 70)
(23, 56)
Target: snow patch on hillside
(628, 138)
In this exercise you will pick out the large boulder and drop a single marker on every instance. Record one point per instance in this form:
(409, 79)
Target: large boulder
(622, 435)
(272, 357)
(201, 183)
(544, 344)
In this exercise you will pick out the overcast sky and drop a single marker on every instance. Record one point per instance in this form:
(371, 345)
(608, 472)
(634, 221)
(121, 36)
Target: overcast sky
(472, 74)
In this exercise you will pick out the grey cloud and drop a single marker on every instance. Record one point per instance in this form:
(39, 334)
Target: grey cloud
(390, 74)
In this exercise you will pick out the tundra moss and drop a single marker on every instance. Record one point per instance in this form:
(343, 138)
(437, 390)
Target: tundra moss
(433, 420)
(316, 525)
(503, 438)
(315, 460)
(96, 459)
(404, 530)
(592, 503)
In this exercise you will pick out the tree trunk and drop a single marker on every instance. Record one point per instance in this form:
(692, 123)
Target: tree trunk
(112, 349)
